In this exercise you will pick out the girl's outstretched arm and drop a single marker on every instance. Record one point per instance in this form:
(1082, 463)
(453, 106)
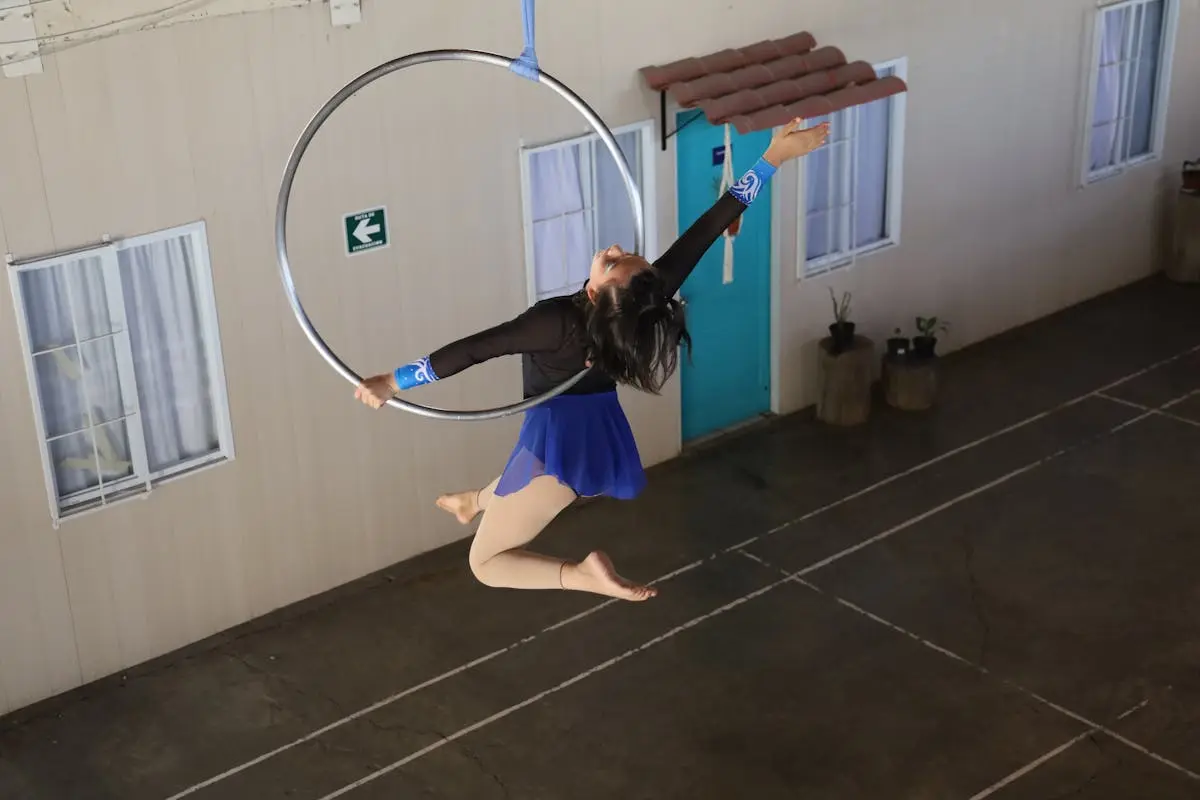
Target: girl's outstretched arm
(538, 329)
(790, 142)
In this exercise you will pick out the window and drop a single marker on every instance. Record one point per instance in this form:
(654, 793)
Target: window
(576, 204)
(1131, 56)
(124, 362)
(850, 186)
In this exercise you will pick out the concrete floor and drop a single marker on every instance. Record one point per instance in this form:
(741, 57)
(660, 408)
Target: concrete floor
(995, 599)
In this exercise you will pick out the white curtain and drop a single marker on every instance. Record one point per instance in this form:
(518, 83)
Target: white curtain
(847, 198)
(80, 396)
(169, 352)
(78, 348)
(874, 135)
(579, 206)
(562, 233)
(823, 220)
(1145, 99)
(1135, 65)
(614, 217)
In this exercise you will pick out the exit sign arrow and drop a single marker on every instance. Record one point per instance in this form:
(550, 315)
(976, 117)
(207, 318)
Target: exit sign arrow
(365, 230)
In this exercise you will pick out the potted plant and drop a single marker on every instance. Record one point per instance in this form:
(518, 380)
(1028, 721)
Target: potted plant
(925, 342)
(842, 330)
(897, 345)
(1191, 176)
(910, 379)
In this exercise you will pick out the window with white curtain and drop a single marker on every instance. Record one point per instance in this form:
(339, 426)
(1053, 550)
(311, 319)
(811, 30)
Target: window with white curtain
(850, 186)
(1131, 57)
(575, 204)
(124, 363)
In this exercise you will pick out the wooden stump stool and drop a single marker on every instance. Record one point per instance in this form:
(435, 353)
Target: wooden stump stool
(910, 384)
(845, 382)
(1184, 263)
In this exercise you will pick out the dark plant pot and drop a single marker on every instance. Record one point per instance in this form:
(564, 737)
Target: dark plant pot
(897, 347)
(924, 346)
(1191, 177)
(843, 335)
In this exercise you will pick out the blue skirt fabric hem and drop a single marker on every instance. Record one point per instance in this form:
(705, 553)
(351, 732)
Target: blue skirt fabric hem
(584, 441)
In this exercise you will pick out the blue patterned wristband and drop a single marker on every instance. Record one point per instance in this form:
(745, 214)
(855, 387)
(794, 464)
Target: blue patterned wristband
(415, 374)
(752, 182)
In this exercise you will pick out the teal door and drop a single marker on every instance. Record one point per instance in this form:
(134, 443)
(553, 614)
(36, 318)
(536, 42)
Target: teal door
(728, 378)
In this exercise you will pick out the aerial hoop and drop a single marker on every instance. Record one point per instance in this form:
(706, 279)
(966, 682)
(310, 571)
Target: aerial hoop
(519, 66)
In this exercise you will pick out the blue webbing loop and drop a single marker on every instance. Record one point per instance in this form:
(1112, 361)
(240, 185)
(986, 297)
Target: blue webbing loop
(526, 64)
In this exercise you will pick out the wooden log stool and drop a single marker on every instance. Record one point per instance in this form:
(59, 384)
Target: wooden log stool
(1184, 263)
(845, 381)
(910, 384)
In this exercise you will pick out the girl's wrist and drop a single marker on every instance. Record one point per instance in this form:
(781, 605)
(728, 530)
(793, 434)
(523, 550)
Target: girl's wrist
(752, 182)
(416, 373)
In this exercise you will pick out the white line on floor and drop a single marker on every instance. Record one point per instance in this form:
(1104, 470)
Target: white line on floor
(499, 715)
(1032, 765)
(1178, 418)
(1180, 399)
(1094, 727)
(908, 523)
(1029, 693)
(338, 723)
(1123, 401)
(410, 690)
(796, 577)
(1133, 710)
(687, 568)
(838, 556)
(1160, 412)
(968, 446)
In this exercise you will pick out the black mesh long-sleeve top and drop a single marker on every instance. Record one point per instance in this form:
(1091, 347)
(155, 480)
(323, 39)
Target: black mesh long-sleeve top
(550, 335)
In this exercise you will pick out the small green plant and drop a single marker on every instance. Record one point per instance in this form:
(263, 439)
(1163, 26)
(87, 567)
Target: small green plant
(841, 311)
(931, 326)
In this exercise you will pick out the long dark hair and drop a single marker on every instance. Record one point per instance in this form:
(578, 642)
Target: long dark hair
(634, 332)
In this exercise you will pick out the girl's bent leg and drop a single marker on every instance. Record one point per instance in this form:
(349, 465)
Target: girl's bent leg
(510, 522)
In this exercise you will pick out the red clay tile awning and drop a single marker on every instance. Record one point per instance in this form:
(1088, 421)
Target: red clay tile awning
(767, 84)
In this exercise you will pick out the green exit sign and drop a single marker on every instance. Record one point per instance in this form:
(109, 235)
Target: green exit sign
(365, 230)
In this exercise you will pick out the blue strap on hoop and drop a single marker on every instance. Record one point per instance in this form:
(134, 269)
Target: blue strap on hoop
(526, 64)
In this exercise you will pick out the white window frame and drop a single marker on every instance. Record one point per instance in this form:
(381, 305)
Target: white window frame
(1161, 91)
(140, 483)
(818, 267)
(644, 170)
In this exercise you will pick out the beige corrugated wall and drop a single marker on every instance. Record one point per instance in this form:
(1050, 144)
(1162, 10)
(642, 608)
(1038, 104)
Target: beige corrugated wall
(150, 130)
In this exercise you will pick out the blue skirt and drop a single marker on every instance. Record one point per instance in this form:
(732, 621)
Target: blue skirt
(584, 441)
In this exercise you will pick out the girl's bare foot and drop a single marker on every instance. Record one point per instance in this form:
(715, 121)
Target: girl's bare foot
(464, 505)
(596, 574)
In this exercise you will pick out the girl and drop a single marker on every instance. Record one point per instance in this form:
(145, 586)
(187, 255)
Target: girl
(626, 325)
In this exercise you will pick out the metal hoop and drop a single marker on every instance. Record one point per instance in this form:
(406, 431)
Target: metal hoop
(289, 175)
